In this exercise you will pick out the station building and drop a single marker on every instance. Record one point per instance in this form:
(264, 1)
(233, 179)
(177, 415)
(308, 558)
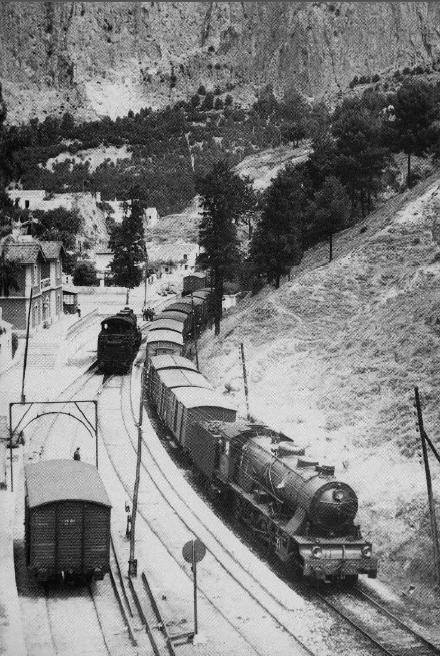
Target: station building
(38, 267)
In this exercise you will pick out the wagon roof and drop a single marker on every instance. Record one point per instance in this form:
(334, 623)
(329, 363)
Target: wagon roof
(165, 335)
(176, 377)
(198, 275)
(64, 479)
(180, 316)
(165, 361)
(184, 307)
(192, 397)
(201, 294)
(166, 323)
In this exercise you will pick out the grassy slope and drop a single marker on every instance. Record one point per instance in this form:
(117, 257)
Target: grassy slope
(333, 356)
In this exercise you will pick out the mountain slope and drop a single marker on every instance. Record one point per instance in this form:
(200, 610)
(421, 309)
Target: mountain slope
(333, 357)
(94, 58)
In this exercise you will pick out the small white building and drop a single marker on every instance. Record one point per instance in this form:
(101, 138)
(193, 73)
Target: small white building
(27, 199)
(5, 342)
(151, 217)
(102, 264)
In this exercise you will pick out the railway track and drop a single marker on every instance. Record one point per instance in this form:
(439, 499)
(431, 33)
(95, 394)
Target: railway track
(62, 619)
(241, 580)
(389, 635)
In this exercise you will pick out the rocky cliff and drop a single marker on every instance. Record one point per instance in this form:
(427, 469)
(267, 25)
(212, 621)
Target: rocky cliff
(94, 58)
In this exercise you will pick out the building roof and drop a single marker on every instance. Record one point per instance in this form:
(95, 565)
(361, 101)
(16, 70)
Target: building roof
(163, 361)
(192, 397)
(64, 479)
(22, 252)
(51, 249)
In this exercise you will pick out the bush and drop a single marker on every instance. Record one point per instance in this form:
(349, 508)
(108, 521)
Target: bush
(375, 78)
(218, 105)
(201, 90)
(354, 82)
(208, 103)
(228, 100)
(84, 274)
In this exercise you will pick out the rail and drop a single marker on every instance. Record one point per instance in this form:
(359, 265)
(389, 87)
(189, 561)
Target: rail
(390, 635)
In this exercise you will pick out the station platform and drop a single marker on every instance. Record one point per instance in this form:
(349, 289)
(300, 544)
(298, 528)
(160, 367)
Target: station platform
(11, 631)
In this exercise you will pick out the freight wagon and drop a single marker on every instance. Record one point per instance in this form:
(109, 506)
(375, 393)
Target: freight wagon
(67, 521)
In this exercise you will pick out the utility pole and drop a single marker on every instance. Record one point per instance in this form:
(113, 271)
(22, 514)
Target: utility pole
(127, 297)
(23, 397)
(132, 562)
(246, 390)
(432, 516)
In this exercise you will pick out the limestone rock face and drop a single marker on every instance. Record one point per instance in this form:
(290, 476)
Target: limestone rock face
(96, 59)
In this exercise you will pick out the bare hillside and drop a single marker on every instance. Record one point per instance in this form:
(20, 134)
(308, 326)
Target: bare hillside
(333, 357)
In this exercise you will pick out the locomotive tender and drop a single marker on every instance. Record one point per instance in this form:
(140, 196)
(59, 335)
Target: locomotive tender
(298, 508)
(67, 521)
(118, 342)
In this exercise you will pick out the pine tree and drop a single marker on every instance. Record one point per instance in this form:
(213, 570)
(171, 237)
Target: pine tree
(224, 199)
(360, 156)
(277, 244)
(414, 127)
(128, 245)
(327, 213)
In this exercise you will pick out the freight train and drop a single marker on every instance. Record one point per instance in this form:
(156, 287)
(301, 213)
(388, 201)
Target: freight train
(118, 342)
(297, 507)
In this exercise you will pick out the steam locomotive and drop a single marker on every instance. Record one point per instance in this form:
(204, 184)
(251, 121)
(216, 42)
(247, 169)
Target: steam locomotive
(297, 507)
(118, 342)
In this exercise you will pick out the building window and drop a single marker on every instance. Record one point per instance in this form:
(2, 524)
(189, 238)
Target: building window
(26, 203)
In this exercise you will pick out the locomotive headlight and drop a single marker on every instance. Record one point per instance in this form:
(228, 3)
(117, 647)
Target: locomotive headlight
(316, 551)
(366, 550)
(338, 495)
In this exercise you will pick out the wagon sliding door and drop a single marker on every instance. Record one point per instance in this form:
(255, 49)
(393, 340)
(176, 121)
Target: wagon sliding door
(96, 537)
(69, 536)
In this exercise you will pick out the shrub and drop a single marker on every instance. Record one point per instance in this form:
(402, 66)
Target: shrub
(228, 100)
(375, 78)
(218, 105)
(84, 274)
(201, 90)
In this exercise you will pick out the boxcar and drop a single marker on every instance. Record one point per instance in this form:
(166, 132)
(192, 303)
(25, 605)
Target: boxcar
(67, 521)
(188, 406)
(193, 282)
(166, 323)
(180, 316)
(167, 381)
(164, 341)
(164, 362)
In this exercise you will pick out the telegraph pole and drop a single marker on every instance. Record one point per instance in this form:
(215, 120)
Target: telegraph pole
(432, 516)
(246, 390)
(23, 397)
(194, 331)
(132, 562)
